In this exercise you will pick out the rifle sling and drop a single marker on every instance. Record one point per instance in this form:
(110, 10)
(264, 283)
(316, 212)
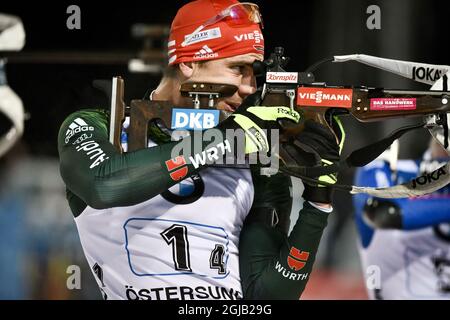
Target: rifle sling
(357, 158)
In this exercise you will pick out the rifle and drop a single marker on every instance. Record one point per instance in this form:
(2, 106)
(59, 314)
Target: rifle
(319, 102)
(142, 112)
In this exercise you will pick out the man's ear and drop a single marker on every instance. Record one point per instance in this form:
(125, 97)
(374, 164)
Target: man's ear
(186, 69)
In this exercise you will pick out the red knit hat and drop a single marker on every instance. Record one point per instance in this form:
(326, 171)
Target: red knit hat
(222, 35)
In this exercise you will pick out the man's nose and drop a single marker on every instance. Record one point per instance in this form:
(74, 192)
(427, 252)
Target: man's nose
(247, 88)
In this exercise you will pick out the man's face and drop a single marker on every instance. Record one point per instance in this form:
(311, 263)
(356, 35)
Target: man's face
(235, 71)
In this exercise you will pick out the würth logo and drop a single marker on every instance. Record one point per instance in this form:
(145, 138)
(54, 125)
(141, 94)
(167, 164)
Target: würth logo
(205, 53)
(177, 168)
(297, 259)
(324, 97)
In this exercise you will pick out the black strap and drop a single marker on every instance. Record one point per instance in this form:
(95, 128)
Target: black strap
(357, 158)
(444, 116)
(445, 126)
(313, 181)
(367, 154)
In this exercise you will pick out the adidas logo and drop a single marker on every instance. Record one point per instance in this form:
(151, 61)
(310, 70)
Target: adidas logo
(205, 53)
(78, 125)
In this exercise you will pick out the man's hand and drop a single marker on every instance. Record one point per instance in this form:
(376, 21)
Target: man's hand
(257, 121)
(316, 145)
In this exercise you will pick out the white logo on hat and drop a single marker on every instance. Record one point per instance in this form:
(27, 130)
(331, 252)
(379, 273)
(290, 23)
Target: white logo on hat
(78, 125)
(255, 36)
(202, 36)
(205, 53)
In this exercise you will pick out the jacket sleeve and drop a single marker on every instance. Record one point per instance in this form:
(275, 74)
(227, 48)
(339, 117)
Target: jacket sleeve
(99, 175)
(273, 263)
(425, 212)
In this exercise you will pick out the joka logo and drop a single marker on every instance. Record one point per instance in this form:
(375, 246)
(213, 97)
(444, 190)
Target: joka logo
(428, 74)
(194, 119)
(205, 53)
(297, 259)
(78, 125)
(178, 168)
(429, 177)
(324, 97)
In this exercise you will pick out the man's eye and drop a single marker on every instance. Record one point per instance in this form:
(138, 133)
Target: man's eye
(238, 69)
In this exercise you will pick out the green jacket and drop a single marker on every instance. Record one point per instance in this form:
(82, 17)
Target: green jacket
(273, 264)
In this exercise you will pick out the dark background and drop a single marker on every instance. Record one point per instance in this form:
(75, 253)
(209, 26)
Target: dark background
(309, 31)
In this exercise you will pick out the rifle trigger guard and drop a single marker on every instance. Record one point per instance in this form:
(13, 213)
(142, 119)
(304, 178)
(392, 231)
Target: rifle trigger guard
(291, 95)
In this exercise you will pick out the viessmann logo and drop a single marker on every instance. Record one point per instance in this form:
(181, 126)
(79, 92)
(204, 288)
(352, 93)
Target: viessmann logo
(255, 35)
(324, 97)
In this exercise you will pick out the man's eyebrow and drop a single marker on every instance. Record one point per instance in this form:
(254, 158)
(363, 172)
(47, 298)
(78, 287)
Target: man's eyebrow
(242, 61)
(245, 59)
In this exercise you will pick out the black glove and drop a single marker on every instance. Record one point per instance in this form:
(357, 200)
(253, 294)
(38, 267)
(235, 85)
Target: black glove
(315, 146)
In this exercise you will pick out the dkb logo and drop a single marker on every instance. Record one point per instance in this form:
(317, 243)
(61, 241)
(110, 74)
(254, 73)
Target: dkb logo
(194, 119)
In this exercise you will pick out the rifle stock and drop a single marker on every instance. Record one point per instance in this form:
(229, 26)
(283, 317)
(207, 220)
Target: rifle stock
(425, 103)
(315, 101)
(142, 112)
(117, 113)
(365, 104)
